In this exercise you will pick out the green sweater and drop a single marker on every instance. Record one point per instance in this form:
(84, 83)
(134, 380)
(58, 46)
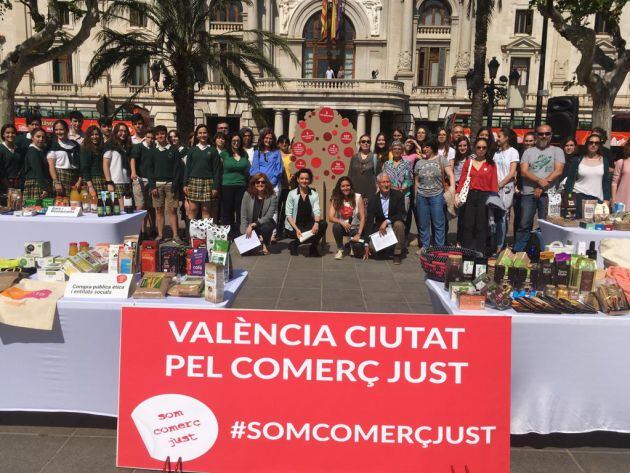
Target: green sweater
(163, 165)
(12, 162)
(139, 154)
(35, 167)
(91, 164)
(235, 173)
(204, 164)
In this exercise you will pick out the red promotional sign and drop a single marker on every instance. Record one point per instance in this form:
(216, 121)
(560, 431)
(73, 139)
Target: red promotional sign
(326, 115)
(308, 136)
(337, 167)
(346, 137)
(298, 149)
(259, 391)
(333, 150)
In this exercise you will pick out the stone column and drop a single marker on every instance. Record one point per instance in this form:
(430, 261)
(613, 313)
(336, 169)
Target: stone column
(360, 125)
(406, 37)
(462, 50)
(293, 119)
(278, 123)
(375, 128)
(253, 15)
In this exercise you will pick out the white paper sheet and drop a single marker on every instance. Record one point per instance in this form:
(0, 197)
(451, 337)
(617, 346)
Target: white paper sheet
(305, 236)
(244, 244)
(381, 242)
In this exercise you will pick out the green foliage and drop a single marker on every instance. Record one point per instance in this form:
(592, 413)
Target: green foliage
(577, 12)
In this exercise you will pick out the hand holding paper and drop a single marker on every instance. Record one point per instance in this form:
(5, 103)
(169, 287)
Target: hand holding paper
(245, 243)
(381, 242)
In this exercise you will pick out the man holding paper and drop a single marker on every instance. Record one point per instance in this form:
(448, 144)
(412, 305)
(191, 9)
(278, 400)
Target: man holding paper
(385, 219)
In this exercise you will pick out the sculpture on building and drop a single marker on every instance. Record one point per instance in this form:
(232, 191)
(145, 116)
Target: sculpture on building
(404, 61)
(374, 10)
(285, 10)
(463, 61)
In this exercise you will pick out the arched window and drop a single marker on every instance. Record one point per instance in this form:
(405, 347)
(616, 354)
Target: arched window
(319, 54)
(434, 13)
(231, 11)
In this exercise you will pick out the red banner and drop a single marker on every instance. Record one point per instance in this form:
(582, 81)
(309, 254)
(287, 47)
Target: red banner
(261, 391)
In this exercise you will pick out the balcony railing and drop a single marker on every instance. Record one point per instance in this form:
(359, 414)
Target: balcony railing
(64, 88)
(342, 85)
(433, 92)
(226, 26)
(434, 31)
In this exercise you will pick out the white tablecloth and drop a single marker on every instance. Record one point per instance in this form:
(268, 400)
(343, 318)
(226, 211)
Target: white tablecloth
(74, 367)
(570, 373)
(62, 230)
(552, 232)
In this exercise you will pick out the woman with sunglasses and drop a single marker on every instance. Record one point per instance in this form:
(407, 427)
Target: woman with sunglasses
(589, 175)
(63, 160)
(363, 169)
(621, 178)
(233, 182)
(483, 180)
(430, 173)
(258, 209)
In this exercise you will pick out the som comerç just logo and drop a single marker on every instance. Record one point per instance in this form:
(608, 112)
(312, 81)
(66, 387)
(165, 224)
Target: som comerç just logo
(18, 294)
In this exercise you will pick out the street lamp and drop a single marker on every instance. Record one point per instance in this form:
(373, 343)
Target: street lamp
(492, 92)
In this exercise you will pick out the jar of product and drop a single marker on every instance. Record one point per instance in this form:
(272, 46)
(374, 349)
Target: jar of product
(73, 250)
(453, 270)
(563, 291)
(574, 292)
(551, 290)
(84, 246)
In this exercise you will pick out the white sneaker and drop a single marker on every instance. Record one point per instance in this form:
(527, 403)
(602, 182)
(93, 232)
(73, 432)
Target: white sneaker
(339, 254)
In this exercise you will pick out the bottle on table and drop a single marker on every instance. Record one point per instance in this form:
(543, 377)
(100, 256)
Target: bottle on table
(115, 204)
(75, 197)
(94, 204)
(17, 200)
(73, 250)
(128, 202)
(592, 252)
(85, 199)
(100, 206)
(109, 205)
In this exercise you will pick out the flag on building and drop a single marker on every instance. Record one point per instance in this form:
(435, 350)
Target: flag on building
(324, 19)
(337, 22)
(333, 20)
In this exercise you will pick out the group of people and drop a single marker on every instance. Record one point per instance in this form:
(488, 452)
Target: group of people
(391, 182)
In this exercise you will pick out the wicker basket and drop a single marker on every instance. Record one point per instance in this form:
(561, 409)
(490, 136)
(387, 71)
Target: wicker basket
(433, 259)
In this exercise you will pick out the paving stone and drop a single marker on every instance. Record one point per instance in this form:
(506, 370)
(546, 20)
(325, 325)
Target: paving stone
(28, 453)
(255, 303)
(603, 462)
(387, 307)
(86, 454)
(541, 461)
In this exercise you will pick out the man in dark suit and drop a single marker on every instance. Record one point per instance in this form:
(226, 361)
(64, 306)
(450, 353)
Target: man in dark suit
(386, 209)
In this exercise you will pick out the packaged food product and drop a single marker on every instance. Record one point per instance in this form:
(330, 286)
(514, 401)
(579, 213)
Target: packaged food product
(114, 250)
(189, 286)
(170, 258)
(215, 282)
(153, 285)
(38, 249)
(198, 261)
(126, 260)
(471, 301)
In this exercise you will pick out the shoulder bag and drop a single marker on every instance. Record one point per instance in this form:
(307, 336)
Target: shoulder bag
(449, 196)
(463, 195)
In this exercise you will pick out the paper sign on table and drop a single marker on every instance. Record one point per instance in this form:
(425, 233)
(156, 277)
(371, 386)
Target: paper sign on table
(244, 244)
(98, 286)
(381, 242)
(62, 211)
(306, 235)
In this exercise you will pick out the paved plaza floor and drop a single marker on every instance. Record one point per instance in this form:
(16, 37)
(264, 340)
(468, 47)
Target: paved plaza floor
(64, 443)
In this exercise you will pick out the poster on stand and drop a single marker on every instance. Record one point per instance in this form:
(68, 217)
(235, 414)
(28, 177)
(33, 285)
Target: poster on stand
(258, 391)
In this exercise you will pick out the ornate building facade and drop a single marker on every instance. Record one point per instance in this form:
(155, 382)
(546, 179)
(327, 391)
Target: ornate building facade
(404, 61)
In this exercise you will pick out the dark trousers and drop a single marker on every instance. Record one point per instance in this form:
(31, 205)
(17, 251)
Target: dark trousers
(530, 206)
(476, 221)
(265, 230)
(282, 203)
(579, 197)
(231, 197)
(516, 205)
(339, 232)
(314, 240)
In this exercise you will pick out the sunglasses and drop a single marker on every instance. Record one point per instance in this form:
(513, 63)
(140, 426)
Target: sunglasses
(544, 134)
(366, 141)
(260, 182)
(594, 143)
(481, 147)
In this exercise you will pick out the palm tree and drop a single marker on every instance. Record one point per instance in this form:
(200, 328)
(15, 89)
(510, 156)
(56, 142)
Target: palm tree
(181, 47)
(483, 10)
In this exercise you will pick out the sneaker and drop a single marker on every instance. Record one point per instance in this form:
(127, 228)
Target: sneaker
(397, 260)
(339, 254)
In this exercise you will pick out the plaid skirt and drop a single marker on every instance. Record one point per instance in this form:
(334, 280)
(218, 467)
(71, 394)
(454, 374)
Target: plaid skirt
(99, 183)
(67, 178)
(200, 189)
(33, 190)
(122, 189)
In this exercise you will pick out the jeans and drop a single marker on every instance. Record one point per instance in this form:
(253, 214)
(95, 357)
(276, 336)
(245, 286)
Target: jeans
(501, 219)
(431, 215)
(476, 221)
(529, 207)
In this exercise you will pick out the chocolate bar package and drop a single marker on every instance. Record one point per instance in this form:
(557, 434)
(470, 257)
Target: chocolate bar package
(170, 260)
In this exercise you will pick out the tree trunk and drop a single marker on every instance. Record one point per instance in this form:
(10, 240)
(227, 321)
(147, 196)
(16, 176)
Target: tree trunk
(479, 67)
(184, 99)
(7, 101)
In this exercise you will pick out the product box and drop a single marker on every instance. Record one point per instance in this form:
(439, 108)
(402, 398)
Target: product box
(456, 287)
(51, 275)
(148, 259)
(126, 260)
(113, 258)
(27, 261)
(471, 301)
(170, 259)
(198, 261)
(38, 249)
(215, 282)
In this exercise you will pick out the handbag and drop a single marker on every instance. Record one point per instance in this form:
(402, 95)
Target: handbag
(449, 196)
(507, 195)
(463, 195)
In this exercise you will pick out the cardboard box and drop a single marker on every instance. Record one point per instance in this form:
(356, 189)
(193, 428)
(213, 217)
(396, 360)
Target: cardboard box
(38, 249)
(456, 287)
(471, 301)
(27, 261)
(215, 282)
(51, 275)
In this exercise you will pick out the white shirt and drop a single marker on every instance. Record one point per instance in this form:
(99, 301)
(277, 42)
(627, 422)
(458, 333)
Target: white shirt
(62, 158)
(503, 159)
(451, 153)
(589, 180)
(135, 139)
(116, 168)
(330, 74)
(78, 137)
(250, 154)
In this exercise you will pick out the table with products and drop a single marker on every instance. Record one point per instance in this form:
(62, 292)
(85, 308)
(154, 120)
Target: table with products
(74, 367)
(567, 370)
(61, 230)
(552, 232)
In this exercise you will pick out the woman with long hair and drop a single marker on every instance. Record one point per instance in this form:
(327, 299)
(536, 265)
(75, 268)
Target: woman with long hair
(483, 180)
(621, 178)
(11, 159)
(487, 134)
(233, 182)
(422, 134)
(364, 167)
(506, 159)
(92, 160)
(63, 160)
(258, 209)
(116, 166)
(571, 151)
(445, 149)
(589, 175)
(347, 215)
(219, 141)
(202, 176)
(284, 145)
(267, 159)
(380, 148)
(431, 171)
(462, 153)
(36, 178)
